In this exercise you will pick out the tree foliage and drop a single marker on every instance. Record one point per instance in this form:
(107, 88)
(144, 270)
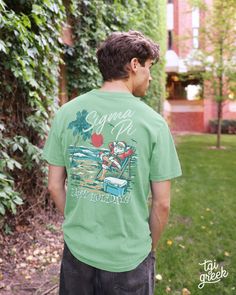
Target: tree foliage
(217, 57)
(29, 57)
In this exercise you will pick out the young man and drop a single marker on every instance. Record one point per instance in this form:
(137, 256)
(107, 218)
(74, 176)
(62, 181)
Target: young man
(111, 149)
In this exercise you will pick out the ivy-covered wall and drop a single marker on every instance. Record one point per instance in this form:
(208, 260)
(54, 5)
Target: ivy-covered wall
(93, 20)
(30, 53)
(29, 58)
(154, 25)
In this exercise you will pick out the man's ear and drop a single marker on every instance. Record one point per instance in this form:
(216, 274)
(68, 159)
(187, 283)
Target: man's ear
(134, 64)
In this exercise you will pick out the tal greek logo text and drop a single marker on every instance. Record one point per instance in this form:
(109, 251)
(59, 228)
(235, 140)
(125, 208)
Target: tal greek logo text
(212, 273)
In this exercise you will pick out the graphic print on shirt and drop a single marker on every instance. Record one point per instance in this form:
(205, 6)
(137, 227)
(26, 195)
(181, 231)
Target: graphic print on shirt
(103, 171)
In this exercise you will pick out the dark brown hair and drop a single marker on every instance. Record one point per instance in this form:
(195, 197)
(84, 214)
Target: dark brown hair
(116, 52)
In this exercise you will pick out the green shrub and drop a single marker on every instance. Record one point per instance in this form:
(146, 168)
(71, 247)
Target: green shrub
(227, 126)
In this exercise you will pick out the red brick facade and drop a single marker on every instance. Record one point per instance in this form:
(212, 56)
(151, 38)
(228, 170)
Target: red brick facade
(183, 114)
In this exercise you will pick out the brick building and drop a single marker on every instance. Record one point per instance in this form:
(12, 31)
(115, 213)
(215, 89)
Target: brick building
(187, 107)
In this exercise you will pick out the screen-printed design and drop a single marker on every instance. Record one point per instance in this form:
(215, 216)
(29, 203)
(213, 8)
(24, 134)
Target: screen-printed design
(103, 169)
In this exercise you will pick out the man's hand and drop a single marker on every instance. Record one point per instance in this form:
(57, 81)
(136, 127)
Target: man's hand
(159, 209)
(56, 186)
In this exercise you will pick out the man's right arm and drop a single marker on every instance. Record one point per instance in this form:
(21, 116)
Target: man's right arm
(56, 186)
(159, 210)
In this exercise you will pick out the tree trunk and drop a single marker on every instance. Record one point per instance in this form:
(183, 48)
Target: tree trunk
(220, 99)
(219, 119)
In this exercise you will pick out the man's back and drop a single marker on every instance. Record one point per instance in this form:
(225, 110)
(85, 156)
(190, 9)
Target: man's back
(112, 146)
(111, 149)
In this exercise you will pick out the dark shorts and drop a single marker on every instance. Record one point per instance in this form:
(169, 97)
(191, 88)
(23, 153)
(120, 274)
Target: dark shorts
(78, 278)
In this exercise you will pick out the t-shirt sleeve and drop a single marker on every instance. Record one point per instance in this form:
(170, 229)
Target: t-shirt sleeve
(52, 151)
(164, 162)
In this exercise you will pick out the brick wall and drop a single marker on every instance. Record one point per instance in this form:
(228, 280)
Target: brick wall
(194, 116)
(184, 115)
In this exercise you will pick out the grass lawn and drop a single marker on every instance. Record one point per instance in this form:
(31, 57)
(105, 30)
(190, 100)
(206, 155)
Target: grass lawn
(202, 224)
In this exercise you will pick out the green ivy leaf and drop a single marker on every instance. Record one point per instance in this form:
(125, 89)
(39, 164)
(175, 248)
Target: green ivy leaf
(10, 164)
(2, 176)
(17, 200)
(18, 165)
(15, 147)
(7, 229)
(26, 21)
(2, 209)
(2, 5)
(3, 47)
(13, 208)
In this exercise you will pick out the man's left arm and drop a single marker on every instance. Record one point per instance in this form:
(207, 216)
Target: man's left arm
(56, 186)
(159, 210)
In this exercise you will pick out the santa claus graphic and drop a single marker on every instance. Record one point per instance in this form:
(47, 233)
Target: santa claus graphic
(119, 151)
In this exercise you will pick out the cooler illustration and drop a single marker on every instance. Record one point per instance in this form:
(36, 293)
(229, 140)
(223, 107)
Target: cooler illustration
(115, 186)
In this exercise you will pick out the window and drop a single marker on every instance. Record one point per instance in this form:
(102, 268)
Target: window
(194, 92)
(195, 17)
(170, 40)
(195, 38)
(170, 16)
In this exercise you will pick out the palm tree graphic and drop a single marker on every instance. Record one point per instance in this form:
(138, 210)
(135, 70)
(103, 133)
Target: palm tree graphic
(78, 126)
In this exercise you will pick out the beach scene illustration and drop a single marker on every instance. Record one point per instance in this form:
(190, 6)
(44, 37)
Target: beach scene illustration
(100, 170)
(102, 167)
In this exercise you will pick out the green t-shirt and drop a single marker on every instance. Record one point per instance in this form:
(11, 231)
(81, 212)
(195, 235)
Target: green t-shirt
(112, 146)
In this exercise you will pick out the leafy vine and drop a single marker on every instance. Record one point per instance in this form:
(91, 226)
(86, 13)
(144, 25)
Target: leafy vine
(29, 58)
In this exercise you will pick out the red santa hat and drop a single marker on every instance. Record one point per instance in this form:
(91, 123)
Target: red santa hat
(121, 144)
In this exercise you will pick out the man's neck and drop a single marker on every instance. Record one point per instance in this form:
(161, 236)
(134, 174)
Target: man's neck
(117, 86)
